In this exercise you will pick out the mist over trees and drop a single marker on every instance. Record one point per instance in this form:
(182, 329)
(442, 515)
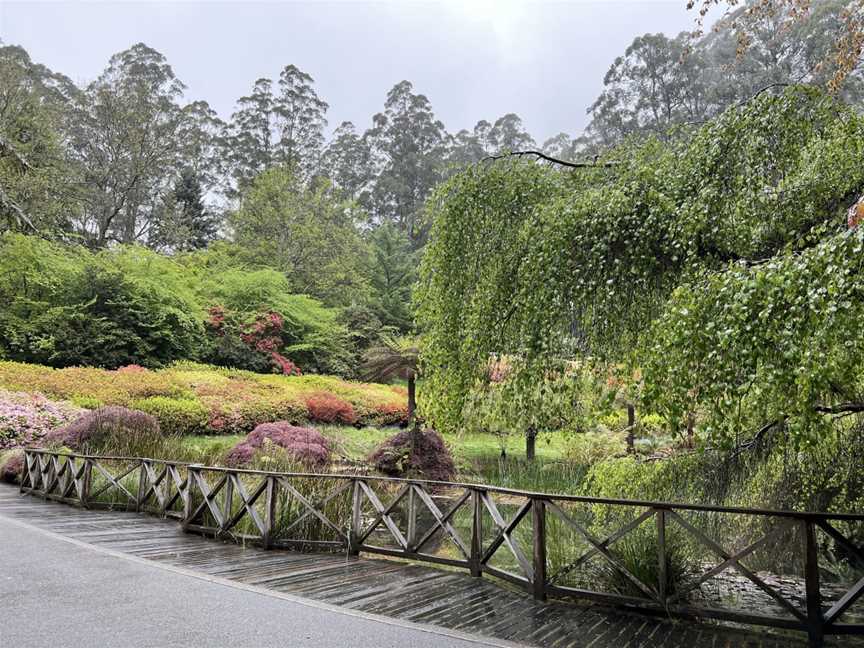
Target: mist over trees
(663, 81)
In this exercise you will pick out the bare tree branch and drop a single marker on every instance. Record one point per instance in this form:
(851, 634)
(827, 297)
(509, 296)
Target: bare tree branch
(19, 213)
(549, 158)
(842, 408)
(6, 150)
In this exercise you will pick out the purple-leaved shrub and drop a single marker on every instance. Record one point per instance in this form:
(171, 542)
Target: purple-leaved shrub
(105, 426)
(417, 454)
(26, 418)
(306, 445)
(11, 466)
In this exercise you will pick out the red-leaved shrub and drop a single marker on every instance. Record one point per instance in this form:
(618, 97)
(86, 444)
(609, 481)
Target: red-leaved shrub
(306, 445)
(391, 414)
(327, 408)
(419, 454)
(12, 466)
(101, 426)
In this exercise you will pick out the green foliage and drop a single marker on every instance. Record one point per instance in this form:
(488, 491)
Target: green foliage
(176, 415)
(312, 335)
(392, 275)
(31, 166)
(662, 81)
(305, 232)
(468, 276)
(128, 305)
(771, 342)
(542, 266)
(66, 306)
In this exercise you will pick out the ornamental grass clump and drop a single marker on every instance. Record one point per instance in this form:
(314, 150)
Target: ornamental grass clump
(304, 445)
(26, 418)
(416, 453)
(121, 429)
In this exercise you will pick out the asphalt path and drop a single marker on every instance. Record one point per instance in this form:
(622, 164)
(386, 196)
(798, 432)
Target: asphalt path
(61, 592)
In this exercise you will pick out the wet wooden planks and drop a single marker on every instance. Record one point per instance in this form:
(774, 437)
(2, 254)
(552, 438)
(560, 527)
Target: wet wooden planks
(396, 589)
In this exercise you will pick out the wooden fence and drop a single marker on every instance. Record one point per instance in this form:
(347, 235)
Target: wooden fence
(803, 571)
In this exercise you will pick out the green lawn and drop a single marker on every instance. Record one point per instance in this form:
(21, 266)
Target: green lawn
(478, 456)
(356, 444)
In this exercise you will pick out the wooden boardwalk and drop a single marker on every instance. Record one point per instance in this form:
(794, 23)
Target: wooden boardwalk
(391, 588)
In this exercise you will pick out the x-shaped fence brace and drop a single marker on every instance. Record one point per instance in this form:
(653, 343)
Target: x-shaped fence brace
(231, 496)
(165, 485)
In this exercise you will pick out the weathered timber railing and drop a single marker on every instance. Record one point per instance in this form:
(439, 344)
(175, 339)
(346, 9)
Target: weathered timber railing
(621, 552)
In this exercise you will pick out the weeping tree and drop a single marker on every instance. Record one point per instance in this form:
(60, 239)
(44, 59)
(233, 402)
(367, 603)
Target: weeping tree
(702, 265)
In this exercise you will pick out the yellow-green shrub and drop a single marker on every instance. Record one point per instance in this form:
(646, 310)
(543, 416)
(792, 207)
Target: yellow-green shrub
(176, 415)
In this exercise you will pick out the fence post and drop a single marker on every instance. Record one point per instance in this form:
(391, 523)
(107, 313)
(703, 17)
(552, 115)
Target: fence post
(538, 510)
(476, 534)
(142, 478)
(191, 472)
(661, 555)
(25, 475)
(227, 501)
(88, 483)
(411, 537)
(269, 512)
(356, 520)
(815, 620)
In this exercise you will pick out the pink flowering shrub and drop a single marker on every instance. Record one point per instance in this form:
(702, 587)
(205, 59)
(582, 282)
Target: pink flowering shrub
(95, 429)
(11, 466)
(256, 346)
(26, 418)
(201, 399)
(305, 445)
(426, 456)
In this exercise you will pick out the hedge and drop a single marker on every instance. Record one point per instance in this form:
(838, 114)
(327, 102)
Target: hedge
(189, 398)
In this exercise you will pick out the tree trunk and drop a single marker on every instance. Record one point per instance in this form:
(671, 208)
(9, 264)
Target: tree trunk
(690, 425)
(631, 429)
(412, 407)
(412, 398)
(530, 443)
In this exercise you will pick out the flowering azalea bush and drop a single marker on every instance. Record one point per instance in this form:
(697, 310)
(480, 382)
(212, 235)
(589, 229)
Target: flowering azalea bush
(106, 425)
(26, 418)
(189, 398)
(257, 345)
(306, 445)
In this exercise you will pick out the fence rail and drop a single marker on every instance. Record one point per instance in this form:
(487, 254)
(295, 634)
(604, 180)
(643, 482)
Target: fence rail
(549, 544)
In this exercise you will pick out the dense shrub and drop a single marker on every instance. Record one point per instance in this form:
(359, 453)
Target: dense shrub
(309, 333)
(111, 426)
(306, 445)
(328, 408)
(421, 454)
(176, 415)
(11, 466)
(234, 401)
(26, 418)
(64, 305)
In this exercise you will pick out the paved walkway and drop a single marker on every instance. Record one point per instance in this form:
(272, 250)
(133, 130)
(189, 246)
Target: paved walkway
(70, 577)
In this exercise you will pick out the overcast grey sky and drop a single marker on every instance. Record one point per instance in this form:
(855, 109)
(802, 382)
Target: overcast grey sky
(474, 59)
